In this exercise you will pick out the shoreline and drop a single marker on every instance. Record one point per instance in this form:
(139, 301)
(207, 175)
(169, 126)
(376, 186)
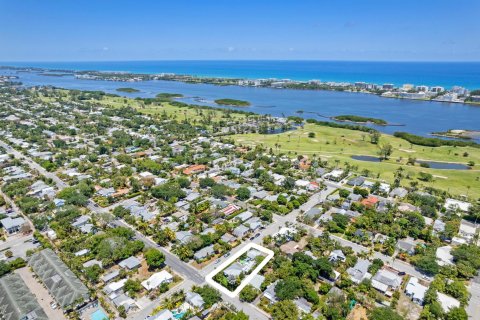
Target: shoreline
(272, 83)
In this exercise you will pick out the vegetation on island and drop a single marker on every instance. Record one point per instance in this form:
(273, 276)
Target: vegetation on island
(459, 134)
(434, 142)
(128, 90)
(232, 102)
(360, 119)
(341, 125)
(167, 95)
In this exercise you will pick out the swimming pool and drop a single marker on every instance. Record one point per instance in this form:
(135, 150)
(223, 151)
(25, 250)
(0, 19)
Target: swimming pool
(99, 315)
(178, 315)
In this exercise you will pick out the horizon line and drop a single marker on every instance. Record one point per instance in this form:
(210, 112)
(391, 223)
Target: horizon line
(243, 60)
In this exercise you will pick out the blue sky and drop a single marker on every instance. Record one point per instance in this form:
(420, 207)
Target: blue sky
(408, 30)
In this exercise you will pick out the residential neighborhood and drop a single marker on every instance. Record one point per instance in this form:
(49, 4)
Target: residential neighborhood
(114, 213)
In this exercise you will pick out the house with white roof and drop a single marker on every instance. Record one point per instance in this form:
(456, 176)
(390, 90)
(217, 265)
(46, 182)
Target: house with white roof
(453, 204)
(157, 279)
(467, 230)
(447, 302)
(444, 256)
(415, 290)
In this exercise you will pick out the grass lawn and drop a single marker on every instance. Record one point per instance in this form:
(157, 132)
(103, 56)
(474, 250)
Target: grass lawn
(172, 112)
(340, 144)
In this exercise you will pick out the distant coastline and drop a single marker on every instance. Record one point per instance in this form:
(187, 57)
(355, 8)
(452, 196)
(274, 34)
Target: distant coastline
(456, 94)
(266, 99)
(446, 74)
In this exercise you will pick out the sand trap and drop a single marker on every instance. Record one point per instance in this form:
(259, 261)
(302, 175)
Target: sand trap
(406, 150)
(440, 177)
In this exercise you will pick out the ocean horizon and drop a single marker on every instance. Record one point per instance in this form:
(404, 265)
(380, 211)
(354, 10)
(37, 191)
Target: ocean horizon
(445, 74)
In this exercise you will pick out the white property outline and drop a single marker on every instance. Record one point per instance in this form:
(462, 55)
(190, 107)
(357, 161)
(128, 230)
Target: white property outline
(246, 281)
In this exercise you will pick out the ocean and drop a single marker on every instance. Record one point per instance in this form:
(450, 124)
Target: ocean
(446, 74)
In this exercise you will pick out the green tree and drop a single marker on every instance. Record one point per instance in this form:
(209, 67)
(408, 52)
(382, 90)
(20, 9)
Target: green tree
(249, 293)
(209, 295)
(375, 137)
(243, 193)
(386, 151)
(383, 313)
(235, 316)
(289, 289)
(132, 286)
(456, 314)
(155, 259)
(220, 191)
(207, 183)
(183, 182)
(93, 273)
(285, 310)
(428, 264)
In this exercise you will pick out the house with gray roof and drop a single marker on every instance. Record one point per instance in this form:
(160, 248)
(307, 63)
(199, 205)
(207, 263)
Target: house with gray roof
(407, 245)
(313, 213)
(386, 281)
(240, 231)
(106, 192)
(60, 281)
(244, 216)
(194, 300)
(357, 181)
(110, 276)
(81, 221)
(12, 226)
(183, 237)
(233, 271)
(254, 223)
(438, 226)
(354, 197)
(130, 263)
(257, 281)
(359, 272)
(16, 300)
(228, 238)
(204, 253)
(270, 294)
(303, 305)
(125, 301)
(337, 255)
(399, 193)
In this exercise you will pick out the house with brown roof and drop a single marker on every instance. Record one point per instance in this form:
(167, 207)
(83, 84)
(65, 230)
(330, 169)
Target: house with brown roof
(194, 169)
(370, 202)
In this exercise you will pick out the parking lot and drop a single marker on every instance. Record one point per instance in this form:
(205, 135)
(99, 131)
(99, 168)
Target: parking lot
(19, 244)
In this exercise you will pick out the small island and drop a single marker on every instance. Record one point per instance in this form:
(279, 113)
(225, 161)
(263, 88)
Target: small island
(167, 95)
(360, 119)
(232, 102)
(129, 90)
(458, 134)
